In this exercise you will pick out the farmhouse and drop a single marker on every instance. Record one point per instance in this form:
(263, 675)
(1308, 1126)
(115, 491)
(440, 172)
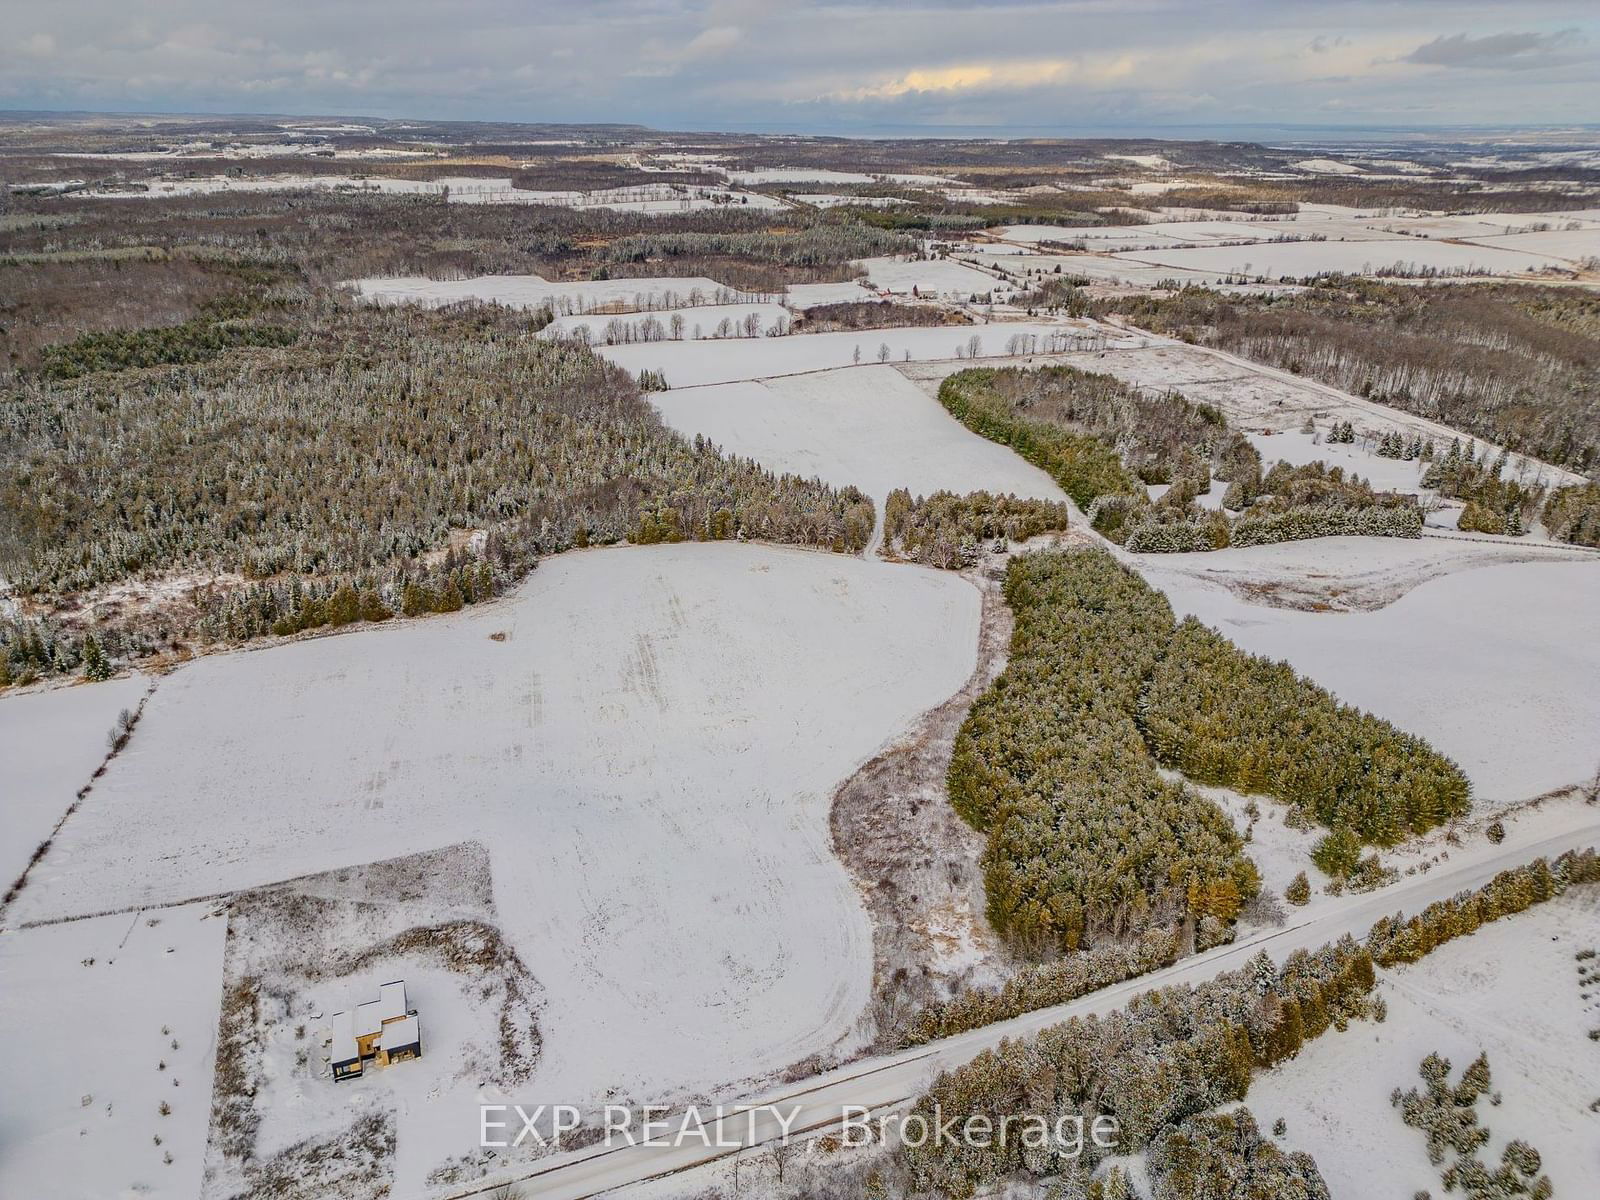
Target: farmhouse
(383, 1029)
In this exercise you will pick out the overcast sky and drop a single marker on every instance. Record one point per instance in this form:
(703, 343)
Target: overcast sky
(863, 65)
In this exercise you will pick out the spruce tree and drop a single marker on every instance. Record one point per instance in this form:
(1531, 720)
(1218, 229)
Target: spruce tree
(95, 664)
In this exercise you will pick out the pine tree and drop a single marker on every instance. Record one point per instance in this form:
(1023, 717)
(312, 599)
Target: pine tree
(1338, 853)
(343, 607)
(1299, 890)
(415, 600)
(373, 608)
(95, 664)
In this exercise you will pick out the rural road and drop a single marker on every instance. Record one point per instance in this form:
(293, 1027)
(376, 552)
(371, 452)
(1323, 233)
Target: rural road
(893, 1081)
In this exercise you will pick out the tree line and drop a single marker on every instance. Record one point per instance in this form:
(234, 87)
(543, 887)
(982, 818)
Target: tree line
(1177, 1053)
(1172, 1055)
(1104, 440)
(1515, 364)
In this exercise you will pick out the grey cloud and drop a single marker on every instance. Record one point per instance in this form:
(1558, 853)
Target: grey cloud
(1501, 50)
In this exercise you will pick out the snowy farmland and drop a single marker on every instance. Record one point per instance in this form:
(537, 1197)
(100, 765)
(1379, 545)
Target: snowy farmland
(647, 746)
(53, 742)
(694, 322)
(1334, 240)
(867, 426)
(643, 197)
(1511, 991)
(929, 276)
(1495, 667)
(1295, 260)
(119, 1018)
(809, 295)
(566, 298)
(1349, 574)
(692, 364)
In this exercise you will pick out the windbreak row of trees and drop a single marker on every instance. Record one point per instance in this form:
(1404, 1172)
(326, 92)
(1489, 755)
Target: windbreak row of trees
(1104, 440)
(383, 439)
(1170, 1056)
(1058, 762)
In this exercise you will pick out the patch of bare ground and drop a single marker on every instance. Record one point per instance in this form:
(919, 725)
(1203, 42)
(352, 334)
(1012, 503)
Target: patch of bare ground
(914, 861)
(356, 1163)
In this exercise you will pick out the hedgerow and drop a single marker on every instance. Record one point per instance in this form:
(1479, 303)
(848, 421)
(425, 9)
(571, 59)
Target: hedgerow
(1175, 1053)
(1171, 1055)
(1103, 440)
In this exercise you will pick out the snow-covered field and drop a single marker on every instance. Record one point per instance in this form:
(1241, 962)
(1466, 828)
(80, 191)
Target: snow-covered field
(1100, 268)
(930, 277)
(1297, 449)
(648, 753)
(645, 197)
(1325, 166)
(868, 426)
(1354, 242)
(1496, 667)
(1510, 990)
(1256, 398)
(51, 742)
(1347, 574)
(210, 185)
(796, 175)
(699, 321)
(103, 1021)
(809, 295)
(1571, 244)
(1297, 259)
(691, 364)
(532, 291)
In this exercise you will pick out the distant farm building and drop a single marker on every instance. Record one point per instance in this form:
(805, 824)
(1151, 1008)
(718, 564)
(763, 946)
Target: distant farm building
(384, 1030)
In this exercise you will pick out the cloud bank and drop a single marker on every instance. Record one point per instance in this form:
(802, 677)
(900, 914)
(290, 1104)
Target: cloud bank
(856, 64)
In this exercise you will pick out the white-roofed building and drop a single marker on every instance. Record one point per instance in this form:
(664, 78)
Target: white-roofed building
(383, 1029)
